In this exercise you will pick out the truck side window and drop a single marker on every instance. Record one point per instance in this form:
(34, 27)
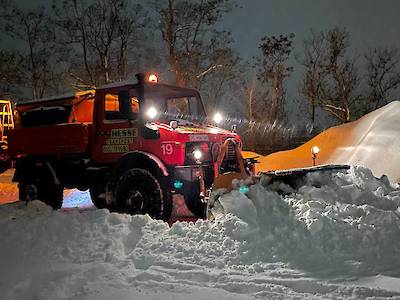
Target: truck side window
(112, 104)
(120, 107)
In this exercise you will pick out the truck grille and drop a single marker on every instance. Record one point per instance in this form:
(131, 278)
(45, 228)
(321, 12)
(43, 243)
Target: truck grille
(204, 147)
(230, 154)
(210, 152)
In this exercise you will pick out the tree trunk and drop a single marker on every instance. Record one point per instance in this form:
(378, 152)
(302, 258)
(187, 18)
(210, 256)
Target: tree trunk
(313, 114)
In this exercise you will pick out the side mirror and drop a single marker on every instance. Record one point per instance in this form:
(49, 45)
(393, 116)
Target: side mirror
(173, 124)
(140, 81)
(140, 91)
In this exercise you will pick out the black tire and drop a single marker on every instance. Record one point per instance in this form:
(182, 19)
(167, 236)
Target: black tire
(95, 192)
(193, 200)
(139, 192)
(167, 205)
(49, 193)
(23, 194)
(4, 166)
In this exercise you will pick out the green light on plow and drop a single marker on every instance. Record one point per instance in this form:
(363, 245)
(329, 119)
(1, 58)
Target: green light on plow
(178, 184)
(244, 189)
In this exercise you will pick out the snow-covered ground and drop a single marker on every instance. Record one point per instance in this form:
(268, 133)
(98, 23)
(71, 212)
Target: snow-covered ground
(338, 236)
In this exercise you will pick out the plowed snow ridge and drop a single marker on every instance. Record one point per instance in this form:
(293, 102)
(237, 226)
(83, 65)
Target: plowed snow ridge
(372, 141)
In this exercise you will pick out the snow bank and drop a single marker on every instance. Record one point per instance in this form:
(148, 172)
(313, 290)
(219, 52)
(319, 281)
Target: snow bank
(372, 141)
(351, 218)
(262, 244)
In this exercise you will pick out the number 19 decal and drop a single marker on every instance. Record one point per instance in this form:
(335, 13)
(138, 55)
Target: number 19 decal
(167, 149)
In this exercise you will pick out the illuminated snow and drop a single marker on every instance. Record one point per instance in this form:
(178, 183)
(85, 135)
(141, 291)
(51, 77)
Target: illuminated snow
(328, 240)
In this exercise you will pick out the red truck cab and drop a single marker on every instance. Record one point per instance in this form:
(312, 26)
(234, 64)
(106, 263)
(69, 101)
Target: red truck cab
(132, 144)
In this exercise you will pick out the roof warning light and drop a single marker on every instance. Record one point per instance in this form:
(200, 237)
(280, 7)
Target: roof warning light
(153, 78)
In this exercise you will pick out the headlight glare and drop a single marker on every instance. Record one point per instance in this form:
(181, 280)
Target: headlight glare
(218, 118)
(197, 154)
(151, 112)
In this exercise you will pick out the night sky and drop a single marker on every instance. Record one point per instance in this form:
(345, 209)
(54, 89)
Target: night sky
(370, 22)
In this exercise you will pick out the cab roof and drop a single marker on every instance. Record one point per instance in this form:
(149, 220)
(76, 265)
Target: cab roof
(65, 99)
(153, 89)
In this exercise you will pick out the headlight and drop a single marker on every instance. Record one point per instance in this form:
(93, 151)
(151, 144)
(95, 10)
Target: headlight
(151, 112)
(218, 118)
(197, 154)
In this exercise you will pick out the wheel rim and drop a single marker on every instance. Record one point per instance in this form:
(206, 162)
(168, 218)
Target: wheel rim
(31, 192)
(136, 202)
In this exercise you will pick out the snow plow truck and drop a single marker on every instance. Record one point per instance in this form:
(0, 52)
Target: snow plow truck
(132, 144)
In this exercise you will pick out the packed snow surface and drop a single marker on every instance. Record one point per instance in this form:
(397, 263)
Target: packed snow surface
(338, 236)
(372, 141)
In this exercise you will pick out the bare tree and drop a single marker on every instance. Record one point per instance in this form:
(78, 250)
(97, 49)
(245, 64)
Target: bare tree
(37, 59)
(71, 22)
(105, 36)
(131, 25)
(4, 7)
(331, 79)
(198, 54)
(314, 74)
(339, 95)
(9, 73)
(250, 89)
(216, 82)
(383, 76)
(272, 71)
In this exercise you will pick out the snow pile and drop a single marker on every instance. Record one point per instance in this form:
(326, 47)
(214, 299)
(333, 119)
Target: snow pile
(273, 246)
(372, 141)
(349, 217)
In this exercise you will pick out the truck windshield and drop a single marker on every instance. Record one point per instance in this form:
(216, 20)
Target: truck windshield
(177, 108)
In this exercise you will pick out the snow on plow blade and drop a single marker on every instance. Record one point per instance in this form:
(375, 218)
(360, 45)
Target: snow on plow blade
(282, 181)
(243, 176)
(295, 177)
(281, 173)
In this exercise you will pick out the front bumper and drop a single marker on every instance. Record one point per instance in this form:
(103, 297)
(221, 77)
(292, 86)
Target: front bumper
(192, 177)
(187, 173)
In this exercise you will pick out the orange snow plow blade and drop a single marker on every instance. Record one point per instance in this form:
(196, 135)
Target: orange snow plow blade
(245, 169)
(224, 180)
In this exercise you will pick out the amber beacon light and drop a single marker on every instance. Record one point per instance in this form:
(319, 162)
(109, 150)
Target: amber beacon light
(153, 78)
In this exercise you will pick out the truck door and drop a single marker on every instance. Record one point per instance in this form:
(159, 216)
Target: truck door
(115, 131)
